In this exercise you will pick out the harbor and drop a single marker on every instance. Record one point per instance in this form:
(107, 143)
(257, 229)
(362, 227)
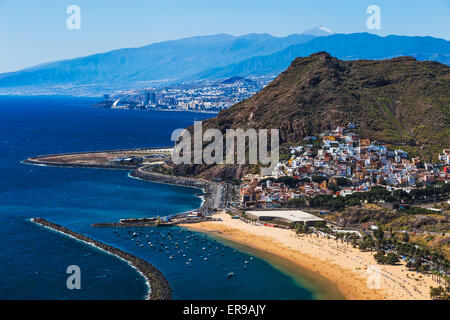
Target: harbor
(168, 221)
(284, 244)
(141, 164)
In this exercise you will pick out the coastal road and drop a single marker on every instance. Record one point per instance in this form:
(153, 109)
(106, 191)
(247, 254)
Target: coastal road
(216, 198)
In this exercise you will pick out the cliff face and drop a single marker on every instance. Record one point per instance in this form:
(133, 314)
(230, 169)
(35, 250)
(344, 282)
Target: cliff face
(399, 101)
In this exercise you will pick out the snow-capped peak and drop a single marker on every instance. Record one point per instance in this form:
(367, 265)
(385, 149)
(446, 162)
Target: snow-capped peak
(319, 31)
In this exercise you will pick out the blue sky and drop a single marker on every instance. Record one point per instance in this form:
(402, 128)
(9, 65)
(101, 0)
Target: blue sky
(34, 32)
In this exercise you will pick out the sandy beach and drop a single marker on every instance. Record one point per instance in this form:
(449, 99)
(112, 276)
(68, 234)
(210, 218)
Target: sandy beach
(355, 273)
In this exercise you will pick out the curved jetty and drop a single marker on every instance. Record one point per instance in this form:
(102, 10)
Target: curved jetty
(214, 196)
(159, 286)
(126, 159)
(140, 163)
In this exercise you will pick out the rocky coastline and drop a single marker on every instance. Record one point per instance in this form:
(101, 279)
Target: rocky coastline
(214, 196)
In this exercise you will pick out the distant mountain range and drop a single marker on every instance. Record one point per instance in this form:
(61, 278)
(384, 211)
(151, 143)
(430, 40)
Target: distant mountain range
(170, 60)
(343, 46)
(212, 57)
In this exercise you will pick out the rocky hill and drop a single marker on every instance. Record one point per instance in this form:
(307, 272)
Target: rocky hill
(401, 101)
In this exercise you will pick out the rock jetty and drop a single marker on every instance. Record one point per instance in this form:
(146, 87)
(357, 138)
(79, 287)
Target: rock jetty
(159, 286)
(214, 193)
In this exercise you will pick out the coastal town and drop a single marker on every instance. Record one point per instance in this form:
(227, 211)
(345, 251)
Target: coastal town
(199, 96)
(339, 163)
(323, 185)
(368, 206)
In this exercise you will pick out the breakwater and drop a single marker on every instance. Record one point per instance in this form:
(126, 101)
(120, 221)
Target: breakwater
(214, 196)
(42, 160)
(143, 223)
(159, 286)
(37, 162)
(101, 151)
(130, 225)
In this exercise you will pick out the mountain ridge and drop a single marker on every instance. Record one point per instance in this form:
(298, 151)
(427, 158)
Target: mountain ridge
(361, 45)
(169, 59)
(213, 57)
(401, 102)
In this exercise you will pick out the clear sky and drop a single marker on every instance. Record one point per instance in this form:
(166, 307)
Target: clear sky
(34, 31)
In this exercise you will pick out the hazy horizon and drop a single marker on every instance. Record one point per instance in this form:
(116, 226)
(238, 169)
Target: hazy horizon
(188, 37)
(36, 33)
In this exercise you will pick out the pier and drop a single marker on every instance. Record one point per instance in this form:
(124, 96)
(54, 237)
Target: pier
(153, 222)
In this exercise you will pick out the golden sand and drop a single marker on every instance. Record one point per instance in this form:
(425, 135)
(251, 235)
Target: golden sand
(349, 269)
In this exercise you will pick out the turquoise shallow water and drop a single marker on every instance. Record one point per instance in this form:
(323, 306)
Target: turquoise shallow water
(33, 260)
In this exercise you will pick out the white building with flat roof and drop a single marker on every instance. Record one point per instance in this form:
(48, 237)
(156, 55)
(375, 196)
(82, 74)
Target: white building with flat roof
(285, 215)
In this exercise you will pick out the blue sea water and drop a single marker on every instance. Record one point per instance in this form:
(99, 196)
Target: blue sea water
(33, 260)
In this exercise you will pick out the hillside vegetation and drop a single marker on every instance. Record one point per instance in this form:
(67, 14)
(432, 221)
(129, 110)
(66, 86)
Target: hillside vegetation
(399, 101)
